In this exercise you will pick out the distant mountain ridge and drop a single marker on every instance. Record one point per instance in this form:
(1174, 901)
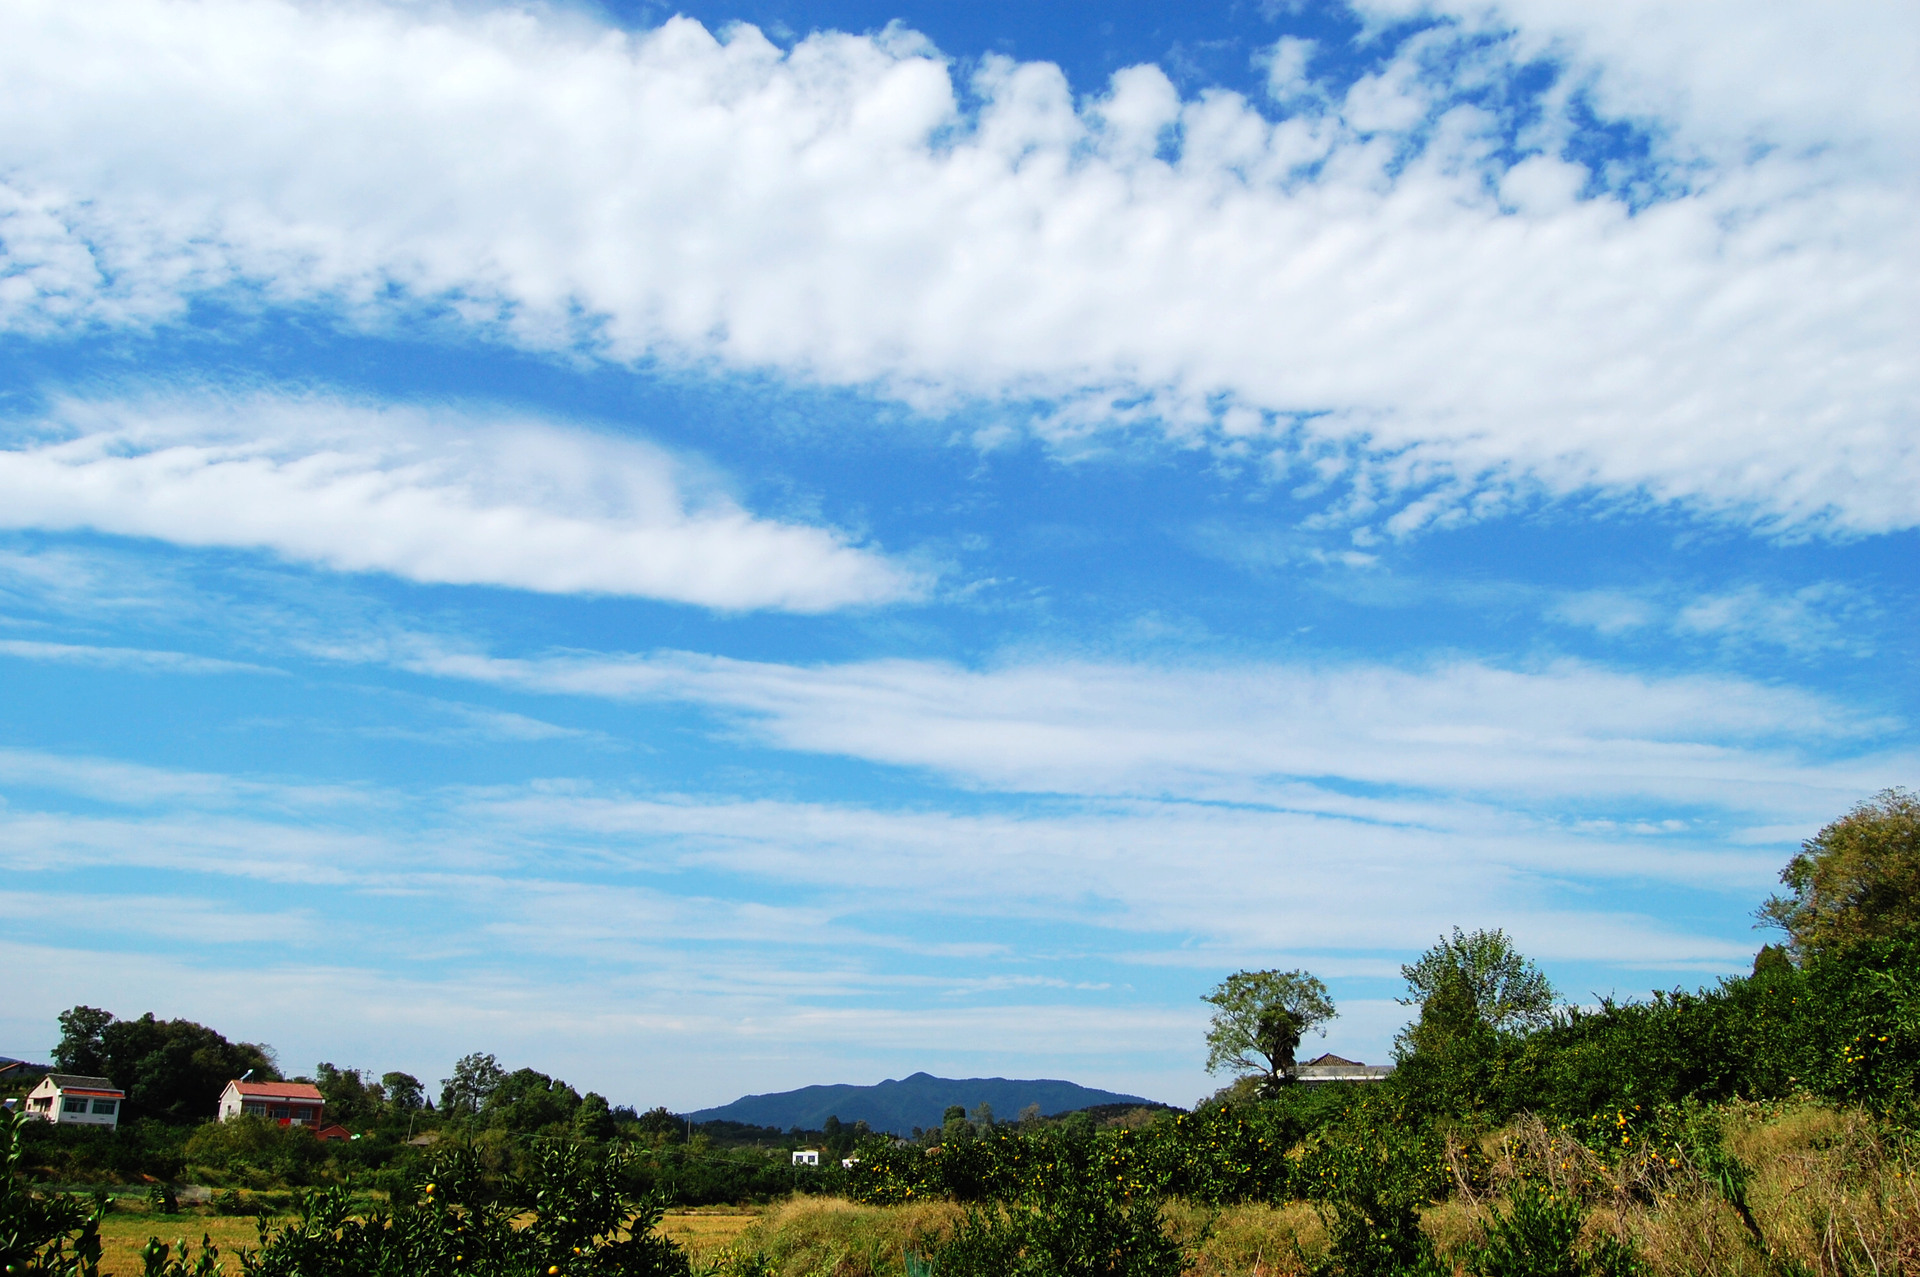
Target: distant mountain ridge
(917, 1100)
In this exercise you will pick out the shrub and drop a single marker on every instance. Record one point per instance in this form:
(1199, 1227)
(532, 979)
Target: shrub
(41, 1235)
(584, 1224)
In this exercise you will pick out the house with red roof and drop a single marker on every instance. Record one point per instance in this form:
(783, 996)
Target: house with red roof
(288, 1103)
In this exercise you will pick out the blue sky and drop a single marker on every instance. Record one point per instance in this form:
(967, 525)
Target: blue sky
(713, 550)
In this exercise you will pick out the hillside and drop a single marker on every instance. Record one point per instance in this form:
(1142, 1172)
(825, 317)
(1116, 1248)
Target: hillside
(918, 1100)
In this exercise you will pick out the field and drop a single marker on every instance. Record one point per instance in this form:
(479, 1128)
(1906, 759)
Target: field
(703, 1232)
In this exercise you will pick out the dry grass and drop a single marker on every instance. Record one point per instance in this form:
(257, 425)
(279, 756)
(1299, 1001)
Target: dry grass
(124, 1233)
(832, 1237)
(704, 1232)
(1827, 1193)
(1249, 1240)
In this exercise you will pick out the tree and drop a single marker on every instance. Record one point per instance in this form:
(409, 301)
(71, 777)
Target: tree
(83, 1044)
(404, 1092)
(474, 1078)
(527, 1100)
(593, 1119)
(1259, 1019)
(1507, 992)
(1857, 879)
(349, 1095)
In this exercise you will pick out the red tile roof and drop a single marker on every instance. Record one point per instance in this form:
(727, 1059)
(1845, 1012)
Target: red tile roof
(303, 1091)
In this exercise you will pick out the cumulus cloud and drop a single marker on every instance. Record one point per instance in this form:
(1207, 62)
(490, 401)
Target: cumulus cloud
(1370, 287)
(433, 496)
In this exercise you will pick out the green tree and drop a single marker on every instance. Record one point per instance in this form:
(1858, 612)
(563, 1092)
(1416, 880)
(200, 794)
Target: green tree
(474, 1078)
(1857, 879)
(1258, 1020)
(404, 1092)
(593, 1119)
(527, 1100)
(1508, 992)
(349, 1095)
(83, 1044)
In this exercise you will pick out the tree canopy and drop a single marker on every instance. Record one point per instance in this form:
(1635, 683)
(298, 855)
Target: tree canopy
(1482, 971)
(1259, 1018)
(1857, 879)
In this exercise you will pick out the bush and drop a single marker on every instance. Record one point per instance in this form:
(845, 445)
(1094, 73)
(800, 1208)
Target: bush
(584, 1223)
(41, 1235)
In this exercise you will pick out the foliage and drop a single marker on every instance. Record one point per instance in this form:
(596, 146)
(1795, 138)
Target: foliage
(403, 1092)
(1259, 1018)
(1539, 1236)
(173, 1070)
(1075, 1213)
(474, 1079)
(1856, 880)
(584, 1223)
(41, 1236)
(1505, 990)
(159, 1259)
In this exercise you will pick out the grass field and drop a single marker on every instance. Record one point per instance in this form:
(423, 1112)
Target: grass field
(125, 1232)
(701, 1232)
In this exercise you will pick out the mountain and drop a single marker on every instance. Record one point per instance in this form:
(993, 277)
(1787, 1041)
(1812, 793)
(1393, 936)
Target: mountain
(899, 1106)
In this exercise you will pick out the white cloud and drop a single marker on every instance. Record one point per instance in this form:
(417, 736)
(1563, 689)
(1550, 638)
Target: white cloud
(1823, 617)
(1567, 733)
(1728, 73)
(1447, 336)
(435, 496)
(124, 658)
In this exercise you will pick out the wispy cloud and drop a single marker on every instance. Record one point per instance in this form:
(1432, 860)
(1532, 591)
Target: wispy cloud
(437, 496)
(1388, 288)
(1245, 733)
(125, 658)
(1823, 617)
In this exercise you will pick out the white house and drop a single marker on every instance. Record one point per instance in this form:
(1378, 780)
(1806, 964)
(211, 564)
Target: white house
(288, 1103)
(74, 1099)
(806, 1157)
(1334, 1068)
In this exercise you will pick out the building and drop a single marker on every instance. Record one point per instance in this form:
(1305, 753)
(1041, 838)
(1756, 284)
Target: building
(288, 1103)
(806, 1157)
(77, 1100)
(1333, 1068)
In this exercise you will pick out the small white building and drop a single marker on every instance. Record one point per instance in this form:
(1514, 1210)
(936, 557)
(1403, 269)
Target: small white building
(288, 1103)
(806, 1157)
(1334, 1068)
(77, 1100)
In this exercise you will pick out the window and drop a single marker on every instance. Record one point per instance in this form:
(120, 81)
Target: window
(106, 1107)
(73, 1104)
(40, 1103)
(253, 1108)
(303, 1114)
(278, 1112)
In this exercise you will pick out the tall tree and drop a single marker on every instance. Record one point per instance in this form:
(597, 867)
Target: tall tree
(349, 1094)
(404, 1092)
(1504, 989)
(1857, 879)
(83, 1043)
(474, 1079)
(1258, 1020)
